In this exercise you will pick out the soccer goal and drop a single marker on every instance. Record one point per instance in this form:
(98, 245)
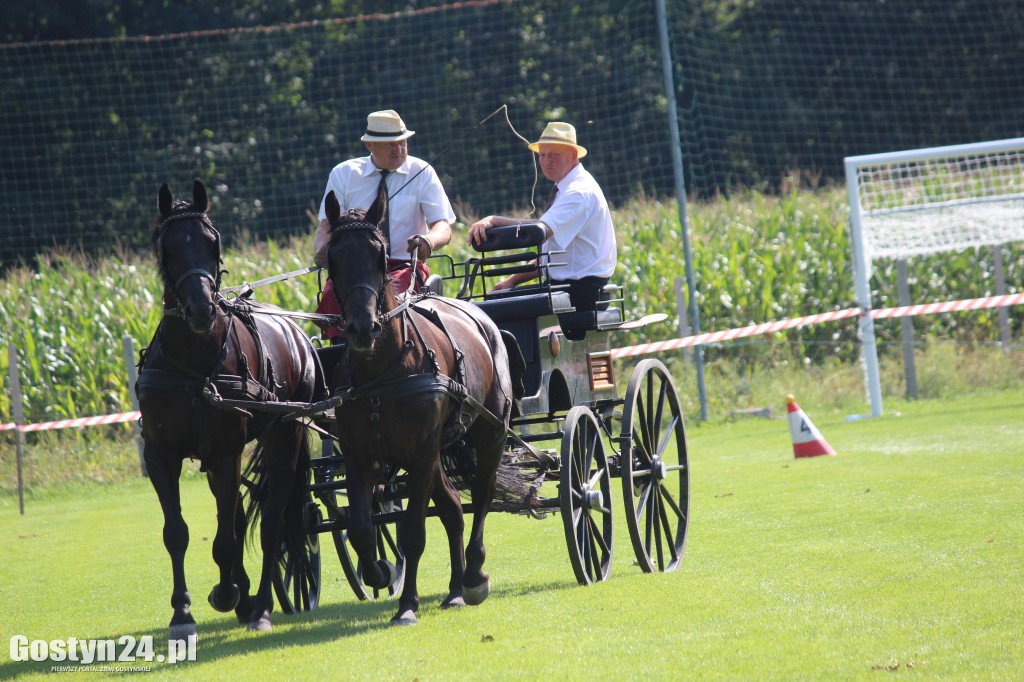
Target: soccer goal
(926, 201)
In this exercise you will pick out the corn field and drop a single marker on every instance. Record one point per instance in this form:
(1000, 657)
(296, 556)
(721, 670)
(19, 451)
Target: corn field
(757, 258)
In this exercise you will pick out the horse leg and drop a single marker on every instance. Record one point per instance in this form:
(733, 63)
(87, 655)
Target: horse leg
(412, 536)
(449, 510)
(281, 447)
(376, 574)
(244, 608)
(163, 474)
(224, 479)
(476, 582)
(239, 577)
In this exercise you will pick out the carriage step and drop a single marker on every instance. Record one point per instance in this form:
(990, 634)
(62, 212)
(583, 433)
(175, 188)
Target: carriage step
(533, 437)
(332, 461)
(334, 484)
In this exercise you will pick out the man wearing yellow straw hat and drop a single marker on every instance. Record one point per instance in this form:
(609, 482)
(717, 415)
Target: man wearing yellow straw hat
(577, 219)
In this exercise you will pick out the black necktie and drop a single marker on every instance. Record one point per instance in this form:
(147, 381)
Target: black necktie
(551, 196)
(382, 198)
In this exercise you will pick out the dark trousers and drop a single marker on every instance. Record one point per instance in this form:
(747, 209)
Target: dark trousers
(586, 295)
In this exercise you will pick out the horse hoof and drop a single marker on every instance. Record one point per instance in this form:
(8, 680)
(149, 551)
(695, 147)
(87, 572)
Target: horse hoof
(220, 603)
(453, 603)
(405, 618)
(183, 632)
(261, 624)
(476, 595)
(389, 571)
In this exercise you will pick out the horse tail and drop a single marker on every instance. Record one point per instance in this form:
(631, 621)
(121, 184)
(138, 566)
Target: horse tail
(254, 479)
(295, 531)
(458, 460)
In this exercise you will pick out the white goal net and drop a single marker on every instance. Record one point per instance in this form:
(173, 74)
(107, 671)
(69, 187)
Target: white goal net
(926, 201)
(945, 199)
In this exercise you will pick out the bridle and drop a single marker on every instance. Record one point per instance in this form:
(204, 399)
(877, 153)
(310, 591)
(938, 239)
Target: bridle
(378, 292)
(214, 277)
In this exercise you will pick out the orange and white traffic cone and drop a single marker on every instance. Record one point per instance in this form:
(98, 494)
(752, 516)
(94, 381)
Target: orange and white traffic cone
(807, 440)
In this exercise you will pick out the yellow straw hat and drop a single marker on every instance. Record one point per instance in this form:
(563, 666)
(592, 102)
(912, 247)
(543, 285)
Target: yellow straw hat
(557, 132)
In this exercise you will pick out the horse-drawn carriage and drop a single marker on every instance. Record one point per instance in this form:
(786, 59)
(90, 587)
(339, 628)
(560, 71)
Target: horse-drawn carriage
(515, 392)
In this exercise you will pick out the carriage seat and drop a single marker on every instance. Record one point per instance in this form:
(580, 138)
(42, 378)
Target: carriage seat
(522, 236)
(528, 305)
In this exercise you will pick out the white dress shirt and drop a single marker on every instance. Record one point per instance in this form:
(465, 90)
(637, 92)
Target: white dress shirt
(581, 225)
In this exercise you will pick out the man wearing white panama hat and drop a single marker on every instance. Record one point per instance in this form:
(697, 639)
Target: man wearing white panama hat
(578, 220)
(419, 212)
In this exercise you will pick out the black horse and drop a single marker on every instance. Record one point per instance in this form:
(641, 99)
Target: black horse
(425, 389)
(203, 352)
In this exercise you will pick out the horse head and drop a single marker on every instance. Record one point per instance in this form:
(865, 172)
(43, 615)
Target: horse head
(357, 266)
(187, 248)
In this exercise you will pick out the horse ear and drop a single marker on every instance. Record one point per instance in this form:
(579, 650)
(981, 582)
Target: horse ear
(164, 200)
(332, 208)
(378, 209)
(200, 200)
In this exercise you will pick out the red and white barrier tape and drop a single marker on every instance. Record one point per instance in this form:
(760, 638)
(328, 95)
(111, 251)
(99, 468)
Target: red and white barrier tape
(657, 346)
(768, 327)
(74, 423)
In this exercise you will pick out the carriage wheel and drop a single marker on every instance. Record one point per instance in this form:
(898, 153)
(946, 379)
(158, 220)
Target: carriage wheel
(387, 548)
(299, 590)
(585, 497)
(655, 468)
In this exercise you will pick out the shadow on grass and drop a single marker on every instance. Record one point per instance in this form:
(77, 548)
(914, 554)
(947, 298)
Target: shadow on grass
(218, 639)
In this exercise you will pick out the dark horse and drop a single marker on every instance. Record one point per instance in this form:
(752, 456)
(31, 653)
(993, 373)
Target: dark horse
(204, 351)
(426, 389)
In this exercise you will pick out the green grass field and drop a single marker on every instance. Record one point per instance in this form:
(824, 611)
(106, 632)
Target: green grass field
(900, 556)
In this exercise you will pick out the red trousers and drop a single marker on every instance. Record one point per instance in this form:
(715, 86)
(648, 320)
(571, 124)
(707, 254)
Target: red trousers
(401, 279)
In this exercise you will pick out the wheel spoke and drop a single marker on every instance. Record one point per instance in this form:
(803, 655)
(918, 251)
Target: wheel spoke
(302, 592)
(577, 462)
(655, 512)
(660, 409)
(583, 540)
(667, 497)
(647, 520)
(596, 533)
(645, 495)
(389, 541)
(595, 550)
(669, 432)
(644, 442)
(669, 536)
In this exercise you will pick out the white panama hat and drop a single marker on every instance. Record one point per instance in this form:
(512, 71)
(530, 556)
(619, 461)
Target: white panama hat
(386, 126)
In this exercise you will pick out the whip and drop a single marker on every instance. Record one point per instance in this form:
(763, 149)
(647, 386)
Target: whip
(502, 109)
